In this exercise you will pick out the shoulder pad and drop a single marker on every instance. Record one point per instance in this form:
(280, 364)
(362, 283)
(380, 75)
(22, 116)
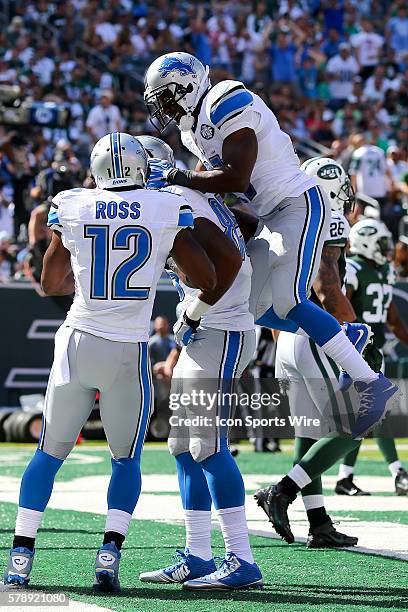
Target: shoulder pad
(226, 100)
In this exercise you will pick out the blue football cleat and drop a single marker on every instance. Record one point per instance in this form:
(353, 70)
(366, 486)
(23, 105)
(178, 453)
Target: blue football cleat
(107, 569)
(360, 335)
(233, 573)
(187, 567)
(374, 396)
(19, 567)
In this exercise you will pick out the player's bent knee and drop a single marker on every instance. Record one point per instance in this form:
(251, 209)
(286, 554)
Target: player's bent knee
(282, 306)
(177, 446)
(201, 449)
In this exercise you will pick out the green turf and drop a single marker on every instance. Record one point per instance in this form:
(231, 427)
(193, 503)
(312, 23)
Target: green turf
(297, 579)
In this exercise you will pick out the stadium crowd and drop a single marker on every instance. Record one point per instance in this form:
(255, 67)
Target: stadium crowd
(334, 72)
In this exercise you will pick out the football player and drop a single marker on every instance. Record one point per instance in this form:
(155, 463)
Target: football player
(217, 346)
(312, 378)
(369, 279)
(242, 149)
(110, 244)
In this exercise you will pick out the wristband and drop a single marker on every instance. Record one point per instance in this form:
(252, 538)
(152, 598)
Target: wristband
(196, 309)
(174, 176)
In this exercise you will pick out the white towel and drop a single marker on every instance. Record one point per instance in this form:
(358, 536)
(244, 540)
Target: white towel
(61, 364)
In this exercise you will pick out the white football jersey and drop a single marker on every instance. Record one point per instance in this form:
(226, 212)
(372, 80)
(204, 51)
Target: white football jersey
(119, 243)
(369, 166)
(228, 107)
(231, 312)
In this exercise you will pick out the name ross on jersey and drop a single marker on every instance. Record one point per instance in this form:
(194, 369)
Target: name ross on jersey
(122, 210)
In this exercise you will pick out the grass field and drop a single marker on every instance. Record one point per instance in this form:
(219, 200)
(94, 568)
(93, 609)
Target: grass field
(297, 579)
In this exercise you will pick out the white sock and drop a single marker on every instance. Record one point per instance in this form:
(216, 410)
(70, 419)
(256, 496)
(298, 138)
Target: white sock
(118, 521)
(198, 533)
(394, 467)
(343, 352)
(299, 476)
(313, 501)
(28, 522)
(345, 471)
(235, 532)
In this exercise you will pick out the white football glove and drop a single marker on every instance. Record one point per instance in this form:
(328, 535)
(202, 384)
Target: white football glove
(184, 330)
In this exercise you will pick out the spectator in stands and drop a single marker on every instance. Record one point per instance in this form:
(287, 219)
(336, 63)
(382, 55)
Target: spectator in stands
(160, 345)
(103, 118)
(283, 59)
(341, 70)
(368, 45)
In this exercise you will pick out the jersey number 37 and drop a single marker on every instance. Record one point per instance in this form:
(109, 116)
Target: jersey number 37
(102, 244)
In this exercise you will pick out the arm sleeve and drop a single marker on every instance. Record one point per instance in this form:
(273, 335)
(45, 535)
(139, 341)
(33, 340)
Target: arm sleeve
(185, 218)
(54, 215)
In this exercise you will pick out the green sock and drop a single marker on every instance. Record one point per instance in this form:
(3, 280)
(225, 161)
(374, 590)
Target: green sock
(351, 457)
(387, 447)
(302, 445)
(324, 453)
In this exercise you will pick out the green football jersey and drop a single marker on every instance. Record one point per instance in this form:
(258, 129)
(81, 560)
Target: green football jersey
(372, 293)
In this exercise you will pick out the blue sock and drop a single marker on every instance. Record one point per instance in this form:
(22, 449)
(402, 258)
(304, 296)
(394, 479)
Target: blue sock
(125, 484)
(224, 479)
(193, 485)
(38, 481)
(320, 325)
(271, 320)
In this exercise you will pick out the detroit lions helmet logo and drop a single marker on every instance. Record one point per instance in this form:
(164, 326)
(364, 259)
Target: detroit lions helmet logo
(173, 64)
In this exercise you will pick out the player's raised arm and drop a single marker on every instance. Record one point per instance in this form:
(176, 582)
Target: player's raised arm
(56, 276)
(239, 153)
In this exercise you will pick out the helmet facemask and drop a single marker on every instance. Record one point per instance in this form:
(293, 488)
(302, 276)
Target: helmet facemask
(163, 105)
(383, 250)
(346, 196)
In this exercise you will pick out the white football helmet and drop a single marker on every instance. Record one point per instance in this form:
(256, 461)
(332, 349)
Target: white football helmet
(174, 85)
(117, 160)
(371, 239)
(157, 148)
(334, 180)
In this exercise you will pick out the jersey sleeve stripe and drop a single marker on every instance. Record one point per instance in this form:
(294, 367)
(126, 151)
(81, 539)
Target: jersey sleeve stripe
(229, 106)
(185, 219)
(227, 93)
(54, 205)
(186, 207)
(52, 218)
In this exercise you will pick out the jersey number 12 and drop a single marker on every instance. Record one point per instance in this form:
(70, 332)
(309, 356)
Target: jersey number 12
(121, 240)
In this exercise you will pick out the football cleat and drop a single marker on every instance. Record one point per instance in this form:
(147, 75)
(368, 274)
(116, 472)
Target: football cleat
(360, 335)
(275, 504)
(19, 567)
(107, 569)
(374, 396)
(346, 486)
(326, 536)
(233, 573)
(401, 482)
(187, 567)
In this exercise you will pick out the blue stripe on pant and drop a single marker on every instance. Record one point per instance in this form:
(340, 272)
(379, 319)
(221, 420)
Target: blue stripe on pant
(309, 244)
(223, 477)
(125, 484)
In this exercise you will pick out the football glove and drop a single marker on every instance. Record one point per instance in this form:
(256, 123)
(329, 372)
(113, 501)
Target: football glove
(184, 330)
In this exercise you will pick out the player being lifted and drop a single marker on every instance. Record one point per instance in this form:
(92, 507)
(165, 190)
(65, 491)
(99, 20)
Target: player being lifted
(313, 376)
(369, 280)
(242, 149)
(110, 244)
(211, 360)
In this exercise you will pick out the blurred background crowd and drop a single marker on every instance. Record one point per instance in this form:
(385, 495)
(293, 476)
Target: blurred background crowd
(334, 71)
